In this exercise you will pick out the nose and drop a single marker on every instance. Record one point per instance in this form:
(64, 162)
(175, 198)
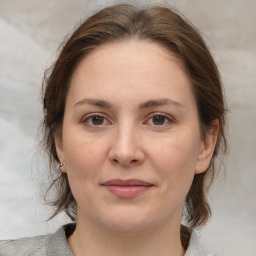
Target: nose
(126, 148)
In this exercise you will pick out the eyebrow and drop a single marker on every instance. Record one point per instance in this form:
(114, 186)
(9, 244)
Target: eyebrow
(160, 102)
(144, 105)
(94, 102)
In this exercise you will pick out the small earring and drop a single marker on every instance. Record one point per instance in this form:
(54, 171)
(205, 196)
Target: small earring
(60, 165)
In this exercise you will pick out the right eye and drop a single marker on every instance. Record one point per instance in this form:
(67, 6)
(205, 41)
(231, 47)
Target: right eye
(95, 120)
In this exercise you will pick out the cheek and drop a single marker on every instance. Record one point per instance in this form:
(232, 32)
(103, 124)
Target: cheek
(175, 159)
(84, 158)
(83, 155)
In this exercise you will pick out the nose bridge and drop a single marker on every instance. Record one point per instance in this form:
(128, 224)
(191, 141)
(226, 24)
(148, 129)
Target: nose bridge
(126, 138)
(126, 148)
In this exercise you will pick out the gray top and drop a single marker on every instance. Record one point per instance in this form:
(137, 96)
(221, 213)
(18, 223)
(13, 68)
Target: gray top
(56, 244)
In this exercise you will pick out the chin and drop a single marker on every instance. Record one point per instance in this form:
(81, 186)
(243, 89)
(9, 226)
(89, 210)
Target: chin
(128, 221)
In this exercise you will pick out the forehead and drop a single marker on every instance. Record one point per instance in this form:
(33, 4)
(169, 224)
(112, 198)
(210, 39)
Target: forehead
(128, 55)
(140, 68)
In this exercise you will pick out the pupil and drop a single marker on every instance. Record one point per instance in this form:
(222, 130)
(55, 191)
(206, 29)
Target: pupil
(97, 120)
(158, 120)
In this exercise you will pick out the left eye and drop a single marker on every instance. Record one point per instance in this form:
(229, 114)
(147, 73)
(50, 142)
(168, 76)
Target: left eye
(159, 120)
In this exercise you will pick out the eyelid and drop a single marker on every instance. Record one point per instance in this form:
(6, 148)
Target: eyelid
(88, 116)
(167, 116)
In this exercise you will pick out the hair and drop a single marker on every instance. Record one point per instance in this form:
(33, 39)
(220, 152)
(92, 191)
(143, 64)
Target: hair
(167, 28)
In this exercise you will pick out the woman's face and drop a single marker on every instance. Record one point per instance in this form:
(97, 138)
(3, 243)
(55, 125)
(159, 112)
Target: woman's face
(131, 142)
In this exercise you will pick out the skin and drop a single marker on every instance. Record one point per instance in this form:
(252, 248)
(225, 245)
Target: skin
(130, 86)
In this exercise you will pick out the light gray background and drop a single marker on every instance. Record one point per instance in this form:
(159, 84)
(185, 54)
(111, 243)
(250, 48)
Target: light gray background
(30, 32)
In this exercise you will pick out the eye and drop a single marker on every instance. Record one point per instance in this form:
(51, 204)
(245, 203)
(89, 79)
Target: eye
(159, 120)
(95, 120)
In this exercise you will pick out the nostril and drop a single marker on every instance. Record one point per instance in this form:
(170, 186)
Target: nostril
(134, 161)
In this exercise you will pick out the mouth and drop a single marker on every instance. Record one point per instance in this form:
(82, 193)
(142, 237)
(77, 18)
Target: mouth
(127, 188)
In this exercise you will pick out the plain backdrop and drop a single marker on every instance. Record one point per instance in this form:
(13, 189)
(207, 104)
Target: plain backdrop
(30, 32)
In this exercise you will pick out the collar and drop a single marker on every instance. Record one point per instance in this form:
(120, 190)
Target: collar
(56, 243)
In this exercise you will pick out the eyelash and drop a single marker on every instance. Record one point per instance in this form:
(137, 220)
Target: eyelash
(167, 119)
(87, 118)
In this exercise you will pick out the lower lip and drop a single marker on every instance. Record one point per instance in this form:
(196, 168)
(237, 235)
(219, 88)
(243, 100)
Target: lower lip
(127, 191)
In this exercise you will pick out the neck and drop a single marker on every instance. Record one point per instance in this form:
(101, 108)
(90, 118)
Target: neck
(163, 240)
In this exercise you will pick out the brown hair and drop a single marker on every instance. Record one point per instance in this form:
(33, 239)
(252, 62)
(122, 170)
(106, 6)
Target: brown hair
(160, 25)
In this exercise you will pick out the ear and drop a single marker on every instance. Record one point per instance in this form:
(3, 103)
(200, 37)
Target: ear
(59, 150)
(207, 148)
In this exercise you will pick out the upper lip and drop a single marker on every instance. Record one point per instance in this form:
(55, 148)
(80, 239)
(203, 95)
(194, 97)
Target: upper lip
(130, 182)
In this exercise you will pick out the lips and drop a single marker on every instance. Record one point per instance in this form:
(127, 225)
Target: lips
(127, 188)
(131, 182)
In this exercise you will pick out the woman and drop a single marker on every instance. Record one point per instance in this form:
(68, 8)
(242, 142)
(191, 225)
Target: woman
(134, 115)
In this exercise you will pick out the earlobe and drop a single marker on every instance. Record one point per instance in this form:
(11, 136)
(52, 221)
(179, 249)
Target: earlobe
(59, 150)
(207, 148)
(62, 167)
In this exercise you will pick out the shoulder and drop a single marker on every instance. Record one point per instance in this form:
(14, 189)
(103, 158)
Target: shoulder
(24, 246)
(45, 245)
(195, 248)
